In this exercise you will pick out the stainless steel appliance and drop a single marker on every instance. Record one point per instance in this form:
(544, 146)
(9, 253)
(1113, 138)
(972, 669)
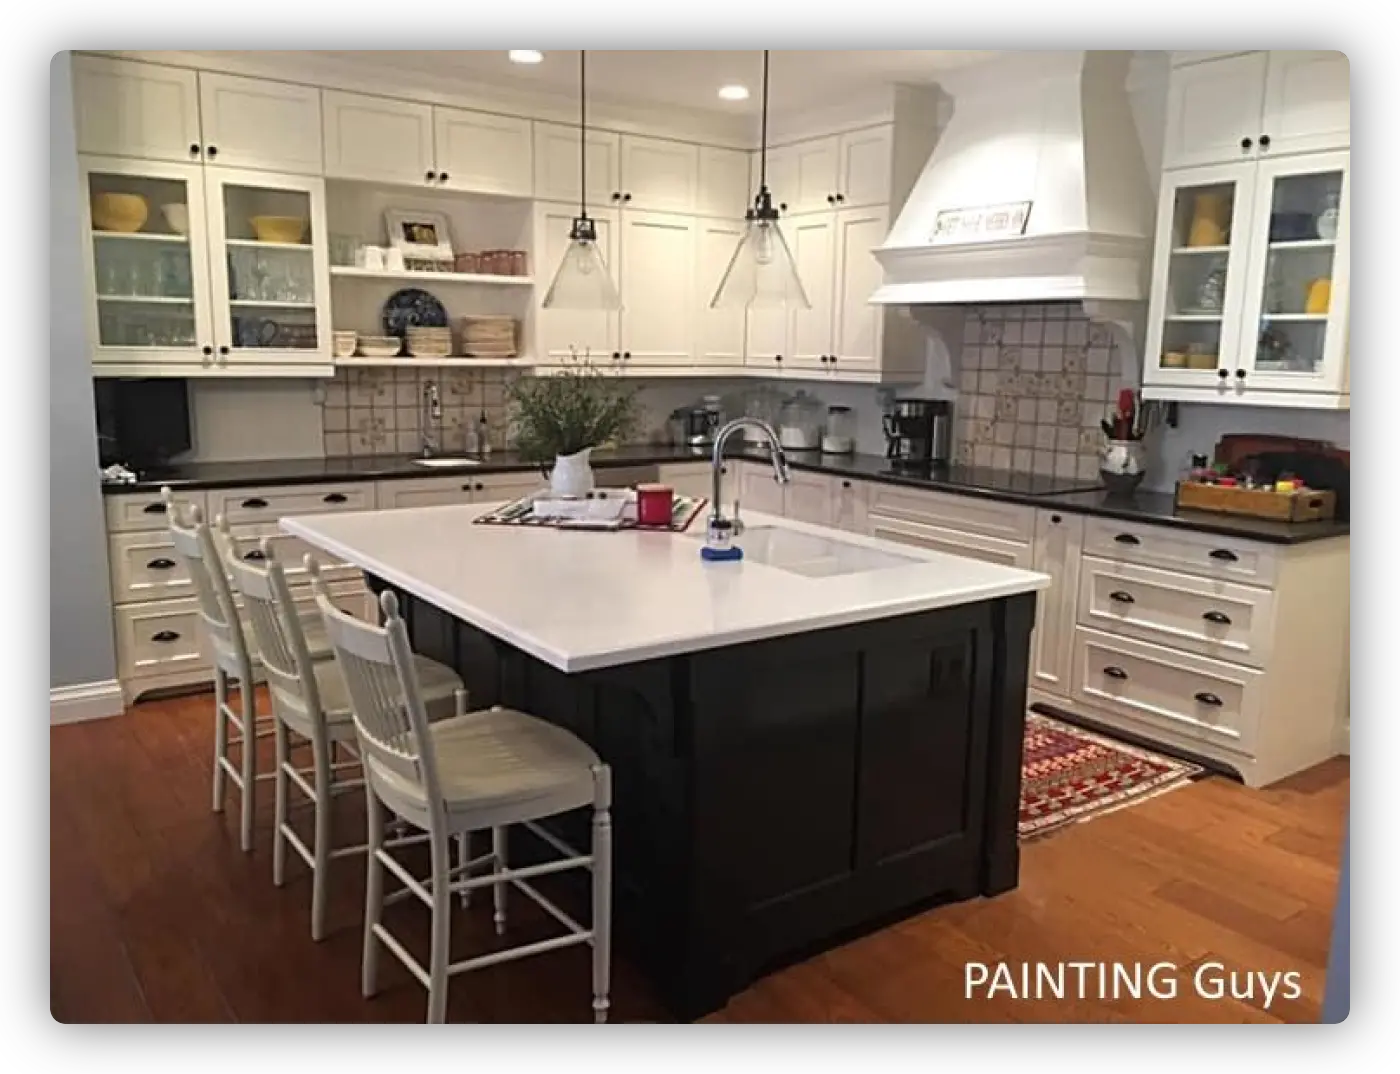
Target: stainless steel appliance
(919, 433)
(700, 424)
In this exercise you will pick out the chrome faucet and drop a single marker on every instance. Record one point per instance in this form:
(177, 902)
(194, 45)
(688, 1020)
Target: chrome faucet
(721, 530)
(430, 421)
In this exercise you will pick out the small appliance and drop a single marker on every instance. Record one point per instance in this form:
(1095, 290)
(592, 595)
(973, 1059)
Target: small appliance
(919, 433)
(141, 422)
(700, 424)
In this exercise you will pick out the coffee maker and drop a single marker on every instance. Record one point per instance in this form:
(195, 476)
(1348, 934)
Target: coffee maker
(919, 433)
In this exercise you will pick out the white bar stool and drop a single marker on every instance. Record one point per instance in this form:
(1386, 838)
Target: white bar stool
(484, 769)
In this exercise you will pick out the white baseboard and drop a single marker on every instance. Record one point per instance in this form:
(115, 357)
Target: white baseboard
(85, 701)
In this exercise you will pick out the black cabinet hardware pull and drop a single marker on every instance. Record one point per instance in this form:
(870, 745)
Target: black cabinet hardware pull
(1127, 538)
(833, 359)
(823, 359)
(334, 497)
(1121, 597)
(161, 564)
(431, 176)
(1265, 141)
(223, 350)
(617, 356)
(212, 151)
(845, 484)
(255, 556)
(1115, 672)
(165, 636)
(194, 149)
(442, 177)
(626, 356)
(207, 350)
(840, 198)
(255, 501)
(1223, 373)
(831, 199)
(467, 487)
(626, 197)
(777, 357)
(1246, 143)
(1055, 519)
(1224, 554)
(480, 487)
(1240, 374)
(154, 508)
(1216, 617)
(1206, 698)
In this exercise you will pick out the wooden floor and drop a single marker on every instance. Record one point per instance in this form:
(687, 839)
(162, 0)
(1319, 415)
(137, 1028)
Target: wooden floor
(157, 916)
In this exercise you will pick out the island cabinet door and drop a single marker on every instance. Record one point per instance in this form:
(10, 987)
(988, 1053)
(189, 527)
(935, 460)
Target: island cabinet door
(925, 699)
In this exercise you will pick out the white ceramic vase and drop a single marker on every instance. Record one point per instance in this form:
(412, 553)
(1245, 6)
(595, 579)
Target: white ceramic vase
(572, 475)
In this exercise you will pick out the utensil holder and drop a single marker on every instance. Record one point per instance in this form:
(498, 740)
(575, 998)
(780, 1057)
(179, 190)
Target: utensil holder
(1122, 466)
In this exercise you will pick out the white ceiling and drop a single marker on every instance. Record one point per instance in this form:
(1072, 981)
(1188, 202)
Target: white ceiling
(683, 79)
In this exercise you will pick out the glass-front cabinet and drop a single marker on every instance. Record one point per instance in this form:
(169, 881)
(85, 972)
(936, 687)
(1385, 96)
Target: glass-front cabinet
(1250, 283)
(200, 271)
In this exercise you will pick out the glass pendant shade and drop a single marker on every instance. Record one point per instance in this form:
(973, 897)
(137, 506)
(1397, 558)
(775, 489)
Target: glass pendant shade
(761, 274)
(582, 281)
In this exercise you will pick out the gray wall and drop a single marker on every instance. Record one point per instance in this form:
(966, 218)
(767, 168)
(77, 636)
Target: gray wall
(80, 608)
(1336, 1001)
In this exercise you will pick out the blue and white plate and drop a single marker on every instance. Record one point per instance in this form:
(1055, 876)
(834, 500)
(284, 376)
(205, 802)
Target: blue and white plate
(409, 307)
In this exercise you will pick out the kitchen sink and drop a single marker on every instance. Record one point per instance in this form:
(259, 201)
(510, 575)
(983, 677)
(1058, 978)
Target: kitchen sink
(447, 462)
(813, 556)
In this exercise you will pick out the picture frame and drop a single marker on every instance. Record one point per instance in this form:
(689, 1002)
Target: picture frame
(420, 234)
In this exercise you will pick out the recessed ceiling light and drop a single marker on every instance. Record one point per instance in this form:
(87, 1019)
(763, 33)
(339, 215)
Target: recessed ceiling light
(525, 55)
(734, 93)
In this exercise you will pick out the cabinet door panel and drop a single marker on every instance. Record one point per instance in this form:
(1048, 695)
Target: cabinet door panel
(1059, 540)
(758, 489)
(1211, 108)
(848, 505)
(657, 270)
(724, 183)
(135, 109)
(561, 333)
(659, 175)
(720, 335)
(804, 176)
(865, 168)
(858, 333)
(813, 252)
(557, 165)
(483, 153)
(1307, 102)
(807, 498)
(255, 123)
(377, 139)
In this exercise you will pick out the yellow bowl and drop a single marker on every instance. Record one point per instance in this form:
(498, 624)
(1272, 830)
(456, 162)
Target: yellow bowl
(278, 228)
(119, 212)
(1200, 361)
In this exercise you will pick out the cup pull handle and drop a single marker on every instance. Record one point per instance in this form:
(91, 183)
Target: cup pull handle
(165, 636)
(1216, 617)
(1121, 597)
(255, 501)
(1224, 555)
(1127, 538)
(255, 556)
(161, 564)
(154, 508)
(1115, 672)
(334, 497)
(1206, 698)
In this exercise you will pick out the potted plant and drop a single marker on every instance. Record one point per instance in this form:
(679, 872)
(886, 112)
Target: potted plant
(563, 415)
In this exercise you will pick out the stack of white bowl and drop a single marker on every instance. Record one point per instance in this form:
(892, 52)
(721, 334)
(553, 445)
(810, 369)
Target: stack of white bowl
(344, 342)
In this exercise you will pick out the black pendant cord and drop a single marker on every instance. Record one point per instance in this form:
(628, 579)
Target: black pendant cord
(763, 138)
(582, 133)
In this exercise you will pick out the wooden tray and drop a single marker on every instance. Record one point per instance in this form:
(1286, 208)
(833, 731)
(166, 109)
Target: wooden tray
(1304, 505)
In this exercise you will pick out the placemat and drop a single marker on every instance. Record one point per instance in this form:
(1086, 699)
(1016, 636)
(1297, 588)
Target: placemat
(684, 510)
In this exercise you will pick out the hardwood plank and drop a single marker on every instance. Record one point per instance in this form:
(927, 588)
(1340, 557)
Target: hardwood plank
(157, 915)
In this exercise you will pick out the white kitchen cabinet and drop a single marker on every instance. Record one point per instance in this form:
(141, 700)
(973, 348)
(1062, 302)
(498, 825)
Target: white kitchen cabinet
(657, 270)
(1058, 545)
(1257, 105)
(848, 504)
(271, 299)
(858, 332)
(865, 158)
(143, 110)
(258, 123)
(563, 334)
(557, 164)
(960, 525)
(758, 490)
(724, 189)
(1251, 284)
(483, 153)
(769, 339)
(803, 177)
(695, 479)
(149, 302)
(659, 175)
(506, 488)
(1307, 102)
(377, 139)
(720, 333)
(807, 498)
(812, 240)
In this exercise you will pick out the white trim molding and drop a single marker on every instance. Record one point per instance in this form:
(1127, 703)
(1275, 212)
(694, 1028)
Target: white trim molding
(85, 701)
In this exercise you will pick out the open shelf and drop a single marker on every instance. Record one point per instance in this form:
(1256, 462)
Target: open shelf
(461, 363)
(486, 279)
(1303, 244)
(1181, 250)
(256, 244)
(147, 300)
(139, 236)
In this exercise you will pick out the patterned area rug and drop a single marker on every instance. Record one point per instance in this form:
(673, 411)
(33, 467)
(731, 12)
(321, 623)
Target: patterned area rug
(1069, 774)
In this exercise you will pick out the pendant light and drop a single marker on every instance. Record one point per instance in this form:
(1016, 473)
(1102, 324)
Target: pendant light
(761, 274)
(582, 281)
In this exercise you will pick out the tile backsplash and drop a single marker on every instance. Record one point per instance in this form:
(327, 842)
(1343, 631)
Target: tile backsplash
(1034, 383)
(380, 411)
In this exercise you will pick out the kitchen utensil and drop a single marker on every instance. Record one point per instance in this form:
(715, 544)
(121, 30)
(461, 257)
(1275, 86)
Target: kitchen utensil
(412, 306)
(839, 436)
(282, 229)
(1122, 466)
(1211, 296)
(654, 505)
(177, 217)
(1319, 298)
(119, 212)
(919, 433)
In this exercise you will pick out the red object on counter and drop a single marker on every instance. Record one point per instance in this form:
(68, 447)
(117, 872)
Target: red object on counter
(654, 505)
(1123, 420)
(1226, 482)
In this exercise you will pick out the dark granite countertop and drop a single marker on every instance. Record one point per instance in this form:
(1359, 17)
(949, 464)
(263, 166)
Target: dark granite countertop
(1066, 494)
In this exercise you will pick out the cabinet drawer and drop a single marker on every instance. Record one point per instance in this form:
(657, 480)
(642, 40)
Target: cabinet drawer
(144, 566)
(689, 478)
(290, 552)
(158, 637)
(1217, 619)
(954, 542)
(423, 492)
(129, 511)
(989, 518)
(246, 505)
(1205, 699)
(1226, 558)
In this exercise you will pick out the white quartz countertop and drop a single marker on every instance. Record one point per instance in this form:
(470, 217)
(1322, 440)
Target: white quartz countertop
(580, 600)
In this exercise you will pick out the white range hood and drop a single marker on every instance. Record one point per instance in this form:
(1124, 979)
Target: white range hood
(1052, 129)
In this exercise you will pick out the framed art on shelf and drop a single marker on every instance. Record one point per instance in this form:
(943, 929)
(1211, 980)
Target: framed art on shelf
(422, 235)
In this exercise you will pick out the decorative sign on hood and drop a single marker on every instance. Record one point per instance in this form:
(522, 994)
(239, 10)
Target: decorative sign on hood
(987, 222)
